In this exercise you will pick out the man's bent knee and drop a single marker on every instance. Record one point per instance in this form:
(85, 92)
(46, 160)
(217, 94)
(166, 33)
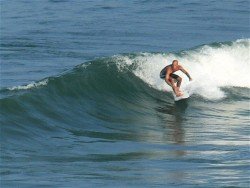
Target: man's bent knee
(179, 79)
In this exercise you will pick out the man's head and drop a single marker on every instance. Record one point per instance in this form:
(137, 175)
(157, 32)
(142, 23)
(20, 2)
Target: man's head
(175, 63)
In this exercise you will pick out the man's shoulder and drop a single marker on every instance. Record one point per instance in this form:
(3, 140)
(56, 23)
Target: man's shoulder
(180, 67)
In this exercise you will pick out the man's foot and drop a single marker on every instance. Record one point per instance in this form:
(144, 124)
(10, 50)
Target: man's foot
(178, 90)
(179, 94)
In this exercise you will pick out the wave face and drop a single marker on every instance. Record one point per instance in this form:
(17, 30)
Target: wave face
(108, 87)
(130, 83)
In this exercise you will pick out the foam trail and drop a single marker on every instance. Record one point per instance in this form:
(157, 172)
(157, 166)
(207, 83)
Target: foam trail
(211, 67)
(29, 86)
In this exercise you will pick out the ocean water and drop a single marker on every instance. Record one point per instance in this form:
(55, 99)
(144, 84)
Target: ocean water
(82, 104)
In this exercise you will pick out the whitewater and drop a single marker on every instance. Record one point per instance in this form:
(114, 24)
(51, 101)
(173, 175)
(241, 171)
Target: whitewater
(211, 66)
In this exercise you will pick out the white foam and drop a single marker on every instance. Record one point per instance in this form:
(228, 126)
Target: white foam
(210, 67)
(29, 86)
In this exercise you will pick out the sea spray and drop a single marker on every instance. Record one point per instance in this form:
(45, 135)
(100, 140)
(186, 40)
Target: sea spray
(211, 67)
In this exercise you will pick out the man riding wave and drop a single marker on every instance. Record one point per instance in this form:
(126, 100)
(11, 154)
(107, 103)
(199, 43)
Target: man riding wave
(170, 78)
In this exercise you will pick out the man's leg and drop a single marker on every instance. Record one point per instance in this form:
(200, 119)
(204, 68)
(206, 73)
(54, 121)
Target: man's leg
(176, 91)
(179, 80)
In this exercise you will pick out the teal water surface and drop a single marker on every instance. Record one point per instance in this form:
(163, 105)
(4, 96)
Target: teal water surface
(82, 104)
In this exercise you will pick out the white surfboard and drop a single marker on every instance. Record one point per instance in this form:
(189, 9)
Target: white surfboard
(184, 96)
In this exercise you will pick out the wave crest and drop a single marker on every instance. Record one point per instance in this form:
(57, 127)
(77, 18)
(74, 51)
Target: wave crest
(212, 67)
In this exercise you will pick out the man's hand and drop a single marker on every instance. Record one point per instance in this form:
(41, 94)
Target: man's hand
(190, 79)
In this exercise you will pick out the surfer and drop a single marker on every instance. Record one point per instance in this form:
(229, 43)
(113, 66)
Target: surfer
(170, 78)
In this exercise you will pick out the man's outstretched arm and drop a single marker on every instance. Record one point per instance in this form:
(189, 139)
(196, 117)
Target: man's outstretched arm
(186, 72)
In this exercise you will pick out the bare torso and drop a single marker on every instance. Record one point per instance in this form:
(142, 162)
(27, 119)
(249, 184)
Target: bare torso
(170, 69)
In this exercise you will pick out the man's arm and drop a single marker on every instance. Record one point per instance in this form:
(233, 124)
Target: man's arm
(185, 72)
